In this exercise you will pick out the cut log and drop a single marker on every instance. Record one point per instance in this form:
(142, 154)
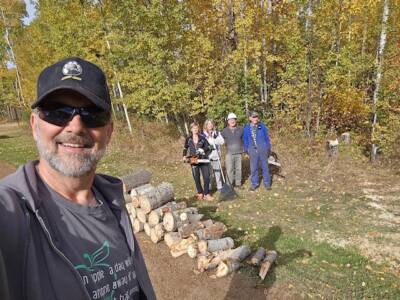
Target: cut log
(172, 220)
(187, 230)
(258, 257)
(215, 245)
(225, 268)
(132, 219)
(181, 247)
(211, 260)
(207, 223)
(193, 250)
(156, 215)
(162, 194)
(212, 232)
(267, 263)
(147, 229)
(135, 201)
(135, 193)
(133, 212)
(157, 233)
(137, 226)
(135, 179)
(141, 215)
(191, 218)
(171, 238)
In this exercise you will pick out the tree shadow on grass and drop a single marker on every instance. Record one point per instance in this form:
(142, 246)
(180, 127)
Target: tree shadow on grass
(3, 137)
(251, 286)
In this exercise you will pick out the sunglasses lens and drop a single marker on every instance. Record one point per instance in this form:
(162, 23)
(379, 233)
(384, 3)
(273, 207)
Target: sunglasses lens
(92, 117)
(57, 116)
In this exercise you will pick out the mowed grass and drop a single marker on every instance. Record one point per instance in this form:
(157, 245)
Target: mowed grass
(292, 219)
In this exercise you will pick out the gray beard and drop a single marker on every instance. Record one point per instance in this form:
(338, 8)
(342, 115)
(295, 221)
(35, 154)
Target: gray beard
(77, 164)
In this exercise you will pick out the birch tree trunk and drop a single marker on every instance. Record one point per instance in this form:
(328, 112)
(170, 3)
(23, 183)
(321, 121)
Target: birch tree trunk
(309, 28)
(13, 59)
(378, 78)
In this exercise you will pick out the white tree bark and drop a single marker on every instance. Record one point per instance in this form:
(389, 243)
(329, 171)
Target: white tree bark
(378, 77)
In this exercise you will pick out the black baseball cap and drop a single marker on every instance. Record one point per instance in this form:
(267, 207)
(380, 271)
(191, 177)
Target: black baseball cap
(254, 114)
(74, 74)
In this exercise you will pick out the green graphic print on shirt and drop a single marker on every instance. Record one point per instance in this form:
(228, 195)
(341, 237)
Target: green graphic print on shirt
(99, 272)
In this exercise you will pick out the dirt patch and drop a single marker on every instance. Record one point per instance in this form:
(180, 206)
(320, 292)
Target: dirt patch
(173, 278)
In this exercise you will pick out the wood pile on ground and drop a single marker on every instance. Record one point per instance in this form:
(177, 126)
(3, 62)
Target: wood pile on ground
(152, 209)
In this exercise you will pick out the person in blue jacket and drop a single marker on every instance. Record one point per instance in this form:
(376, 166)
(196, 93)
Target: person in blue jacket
(257, 146)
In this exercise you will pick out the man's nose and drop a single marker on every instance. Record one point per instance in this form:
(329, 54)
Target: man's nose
(76, 124)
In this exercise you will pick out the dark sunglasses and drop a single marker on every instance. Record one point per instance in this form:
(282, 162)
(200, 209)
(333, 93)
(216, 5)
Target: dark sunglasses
(92, 117)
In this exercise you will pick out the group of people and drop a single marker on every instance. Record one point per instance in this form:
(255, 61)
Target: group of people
(251, 140)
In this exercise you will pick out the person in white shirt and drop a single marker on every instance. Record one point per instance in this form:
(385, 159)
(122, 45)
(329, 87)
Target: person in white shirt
(215, 140)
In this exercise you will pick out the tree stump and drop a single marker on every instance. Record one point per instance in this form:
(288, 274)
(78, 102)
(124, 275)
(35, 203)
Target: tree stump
(135, 179)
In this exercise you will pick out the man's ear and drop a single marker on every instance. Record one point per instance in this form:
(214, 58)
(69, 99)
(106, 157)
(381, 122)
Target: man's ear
(33, 122)
(110, 131)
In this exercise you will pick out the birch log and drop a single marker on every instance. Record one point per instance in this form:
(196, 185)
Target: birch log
(147, 229)
(193, 250)
(181, 247)
(141, 215)
(267, 263)
(191, 218)
(225, 268)
(135, 179)
(157, 233)
(212, 232)
(162, 194)
(135, 193)
(215, 245)
(172, 219)
(171, 238)
(156, 215)
(137, 226)
(258, 257)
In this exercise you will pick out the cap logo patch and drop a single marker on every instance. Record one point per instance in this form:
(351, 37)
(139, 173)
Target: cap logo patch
(72, 70)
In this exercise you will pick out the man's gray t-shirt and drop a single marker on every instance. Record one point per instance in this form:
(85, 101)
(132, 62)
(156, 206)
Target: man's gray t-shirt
(91, 239)
(233, 139)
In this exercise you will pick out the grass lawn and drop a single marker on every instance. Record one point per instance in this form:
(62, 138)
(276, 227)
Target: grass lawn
(333, 223)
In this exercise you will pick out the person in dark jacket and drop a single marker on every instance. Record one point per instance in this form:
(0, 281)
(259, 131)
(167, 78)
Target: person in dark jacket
(64, 230)
(196, 146)
(258, 146)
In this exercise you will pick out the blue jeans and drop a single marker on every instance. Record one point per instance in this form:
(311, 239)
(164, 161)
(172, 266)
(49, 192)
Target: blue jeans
(257, 159)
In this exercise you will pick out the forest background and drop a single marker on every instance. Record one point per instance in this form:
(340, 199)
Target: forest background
(319, 68)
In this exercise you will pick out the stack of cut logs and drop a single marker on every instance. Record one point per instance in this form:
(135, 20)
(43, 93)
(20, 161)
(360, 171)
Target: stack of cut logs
(153, 211)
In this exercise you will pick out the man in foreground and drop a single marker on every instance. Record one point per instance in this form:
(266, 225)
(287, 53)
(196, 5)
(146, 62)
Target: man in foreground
(64, 230)
(257, 145)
